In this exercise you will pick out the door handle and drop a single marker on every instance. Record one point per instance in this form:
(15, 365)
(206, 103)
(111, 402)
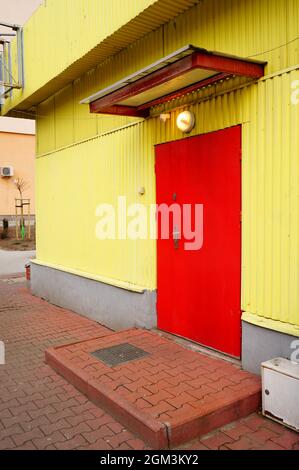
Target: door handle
(176, 235)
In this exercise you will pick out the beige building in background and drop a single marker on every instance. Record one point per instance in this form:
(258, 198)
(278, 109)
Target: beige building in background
(17, 136)
(18, 11)
(17, 150)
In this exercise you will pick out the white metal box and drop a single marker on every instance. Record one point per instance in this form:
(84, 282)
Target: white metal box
(280, 391)
(6, 171)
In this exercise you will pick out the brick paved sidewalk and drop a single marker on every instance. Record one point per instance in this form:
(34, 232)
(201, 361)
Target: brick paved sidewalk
(40, 410)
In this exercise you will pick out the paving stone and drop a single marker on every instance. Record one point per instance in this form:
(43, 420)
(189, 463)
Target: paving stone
(41, 410)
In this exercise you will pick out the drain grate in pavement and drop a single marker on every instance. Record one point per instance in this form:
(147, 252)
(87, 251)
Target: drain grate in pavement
(119, 354)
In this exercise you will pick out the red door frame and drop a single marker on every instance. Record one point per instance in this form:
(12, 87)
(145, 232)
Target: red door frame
(240, 205)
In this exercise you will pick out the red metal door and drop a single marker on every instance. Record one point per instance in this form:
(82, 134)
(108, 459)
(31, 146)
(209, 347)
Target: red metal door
(199, 290)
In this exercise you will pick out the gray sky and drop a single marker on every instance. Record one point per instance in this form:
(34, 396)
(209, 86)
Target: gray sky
(17, 11)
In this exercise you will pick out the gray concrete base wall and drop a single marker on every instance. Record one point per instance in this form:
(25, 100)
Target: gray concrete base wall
(261, 344)
(111, 306)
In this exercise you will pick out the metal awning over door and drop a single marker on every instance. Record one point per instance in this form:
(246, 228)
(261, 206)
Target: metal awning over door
(181, 72)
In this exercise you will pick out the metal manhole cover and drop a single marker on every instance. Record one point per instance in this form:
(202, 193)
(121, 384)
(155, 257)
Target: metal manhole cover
(119, 354)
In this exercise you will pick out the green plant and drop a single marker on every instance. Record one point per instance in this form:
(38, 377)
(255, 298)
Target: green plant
(21, 185)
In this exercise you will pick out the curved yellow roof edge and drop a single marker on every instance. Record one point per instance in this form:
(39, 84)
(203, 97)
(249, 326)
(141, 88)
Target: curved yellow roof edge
(59, 51)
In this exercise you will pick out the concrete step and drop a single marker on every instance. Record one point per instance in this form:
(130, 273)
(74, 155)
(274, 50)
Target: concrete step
(168, 397)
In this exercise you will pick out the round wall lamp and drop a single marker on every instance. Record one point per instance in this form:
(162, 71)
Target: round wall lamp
(185, 121)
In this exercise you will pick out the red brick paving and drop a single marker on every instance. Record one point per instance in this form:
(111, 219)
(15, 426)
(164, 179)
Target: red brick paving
(41, 410)
(38, 408)
(187, 393)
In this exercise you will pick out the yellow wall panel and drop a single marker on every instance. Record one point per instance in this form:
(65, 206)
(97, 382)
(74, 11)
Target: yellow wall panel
(120, 162)
(270, 203)
(45, 129)
(66, 38)
(261, 29)
(72, 181)
(64, 117)
(292, 32)
(85, 123)
(61, 32)
(265, 30)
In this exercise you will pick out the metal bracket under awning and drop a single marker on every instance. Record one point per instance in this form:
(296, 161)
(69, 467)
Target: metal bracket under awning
(181, 72)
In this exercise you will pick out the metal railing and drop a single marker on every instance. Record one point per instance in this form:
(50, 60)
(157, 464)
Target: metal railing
(8, 81)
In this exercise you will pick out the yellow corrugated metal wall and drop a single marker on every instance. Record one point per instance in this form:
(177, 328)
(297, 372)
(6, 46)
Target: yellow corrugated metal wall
(73, 180)
(261, 29)
(66, 38)
(270, 202)
(62, 31)
(71, 184)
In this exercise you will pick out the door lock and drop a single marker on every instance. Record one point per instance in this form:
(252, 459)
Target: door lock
(176, 237)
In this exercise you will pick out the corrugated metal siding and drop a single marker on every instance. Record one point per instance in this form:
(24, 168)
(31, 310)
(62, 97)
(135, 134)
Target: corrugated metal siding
(240, 27)
(66, 38)
(62, 121)
(85, 123)
(45, 128)
(264, 29)
(64, 117)
(271, 202)
(270, 160)
(71, 184)
(247, 28)
(121, 162)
